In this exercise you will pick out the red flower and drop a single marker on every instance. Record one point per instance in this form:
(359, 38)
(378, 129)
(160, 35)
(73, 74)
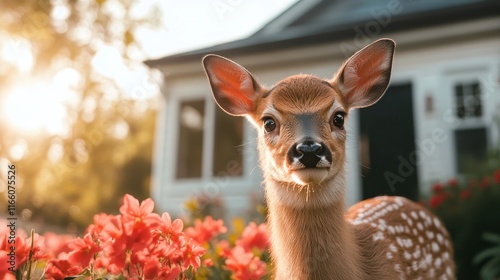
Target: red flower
(84, 250)
(192, 253)
(437, 188)
(170, 230)
(23, 249)
(465, 194)
(485, 183)
(254, 236)
(151, 268)
(204, 231)
(4, 266)
(496, 176)
(245, 265)
(169, 273)
(437, 200)
(224, 248)
(135, 214)
(58, 269)
(57, 244)
(453, 183)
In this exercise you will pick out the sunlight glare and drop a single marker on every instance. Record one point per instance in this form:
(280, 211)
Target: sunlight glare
(17, 52)
(32, 108)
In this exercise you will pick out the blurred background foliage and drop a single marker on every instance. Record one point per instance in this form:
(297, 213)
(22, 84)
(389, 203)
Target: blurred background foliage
(469, 208)
(51, 53)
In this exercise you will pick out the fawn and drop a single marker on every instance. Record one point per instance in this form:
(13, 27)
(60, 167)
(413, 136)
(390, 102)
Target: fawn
(301, 142)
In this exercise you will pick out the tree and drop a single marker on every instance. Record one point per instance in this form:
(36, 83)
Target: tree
(66, 175)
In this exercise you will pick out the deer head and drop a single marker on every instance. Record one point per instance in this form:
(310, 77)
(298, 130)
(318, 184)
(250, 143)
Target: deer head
(301, 119)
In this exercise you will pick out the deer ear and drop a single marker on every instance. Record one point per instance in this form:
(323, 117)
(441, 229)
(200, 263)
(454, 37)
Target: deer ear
(233, 87)
(364, 77)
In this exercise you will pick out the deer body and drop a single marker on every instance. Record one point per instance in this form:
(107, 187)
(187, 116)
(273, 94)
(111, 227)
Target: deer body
(301, 141)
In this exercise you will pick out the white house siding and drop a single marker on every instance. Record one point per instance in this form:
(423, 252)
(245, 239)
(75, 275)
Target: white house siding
(431, 60)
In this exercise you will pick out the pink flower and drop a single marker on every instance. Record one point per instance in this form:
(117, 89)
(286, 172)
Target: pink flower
(151, 268)
(245, 265)
(224, 248)
(135, 214)
(204, 231)
(170, 230)
(169, 273)
(254, 237)
(191, 254)
(5, 265)
(57, 244)
(83, 250)
(58, 269)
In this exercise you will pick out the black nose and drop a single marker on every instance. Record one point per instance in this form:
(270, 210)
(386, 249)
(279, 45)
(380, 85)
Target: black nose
(308, 152)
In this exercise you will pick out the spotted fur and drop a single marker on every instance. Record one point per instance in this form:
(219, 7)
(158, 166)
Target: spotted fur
(405, 235)
(311, 235)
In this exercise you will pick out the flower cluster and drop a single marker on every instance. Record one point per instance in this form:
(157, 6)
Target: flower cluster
(468, 208)
(452, 191)
(138, 244)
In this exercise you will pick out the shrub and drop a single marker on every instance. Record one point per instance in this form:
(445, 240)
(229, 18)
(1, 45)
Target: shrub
(468, 208)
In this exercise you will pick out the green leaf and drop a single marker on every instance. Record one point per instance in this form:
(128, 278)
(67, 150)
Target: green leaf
(487, 253)
(492, 237)
(491, 269)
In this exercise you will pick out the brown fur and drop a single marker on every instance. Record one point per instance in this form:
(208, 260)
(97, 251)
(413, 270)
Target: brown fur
(311, 236)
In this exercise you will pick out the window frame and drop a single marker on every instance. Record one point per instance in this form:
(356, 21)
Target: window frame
(208, 143)
(468, 76)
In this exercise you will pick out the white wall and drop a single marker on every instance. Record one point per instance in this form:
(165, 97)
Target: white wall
(431, 68)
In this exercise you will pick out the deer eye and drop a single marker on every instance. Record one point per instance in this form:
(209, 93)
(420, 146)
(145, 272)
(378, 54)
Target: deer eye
(269, 124)
(338, 120)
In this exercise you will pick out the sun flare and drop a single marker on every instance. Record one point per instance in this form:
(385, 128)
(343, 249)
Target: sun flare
(34, 108)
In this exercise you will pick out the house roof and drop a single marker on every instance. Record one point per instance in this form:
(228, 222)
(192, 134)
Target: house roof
(321, 21)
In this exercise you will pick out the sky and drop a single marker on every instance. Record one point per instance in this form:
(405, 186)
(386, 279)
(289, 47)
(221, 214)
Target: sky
(190, 25)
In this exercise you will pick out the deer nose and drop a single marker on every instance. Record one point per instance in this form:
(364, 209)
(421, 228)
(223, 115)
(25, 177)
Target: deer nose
(308, 152)
(309, 147)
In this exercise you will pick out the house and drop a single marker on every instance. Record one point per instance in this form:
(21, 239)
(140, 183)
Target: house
(435, 121)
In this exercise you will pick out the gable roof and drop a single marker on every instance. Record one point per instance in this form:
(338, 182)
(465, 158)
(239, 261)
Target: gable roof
(320, 21)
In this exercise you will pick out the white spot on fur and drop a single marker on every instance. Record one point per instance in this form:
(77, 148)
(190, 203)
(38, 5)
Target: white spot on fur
(437, 223)
(393, 248)
(439, 237)
(435, 247)
(420, 226)
(378, 236)
(414, 215)
(422, 214)
(416, 254)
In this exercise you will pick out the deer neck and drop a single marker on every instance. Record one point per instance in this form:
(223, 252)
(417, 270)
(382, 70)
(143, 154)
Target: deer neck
(310, 239)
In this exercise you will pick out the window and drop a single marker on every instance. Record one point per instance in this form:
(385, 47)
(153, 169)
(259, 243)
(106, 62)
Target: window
(470, 145)
(227, 156)
(213, 151)
(468, 100)
(190, 145)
